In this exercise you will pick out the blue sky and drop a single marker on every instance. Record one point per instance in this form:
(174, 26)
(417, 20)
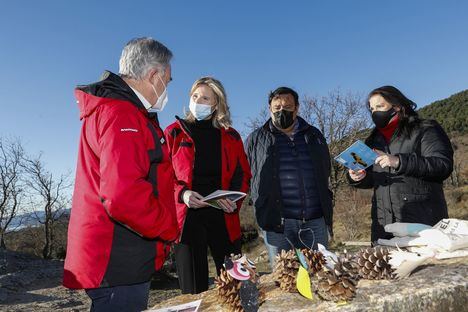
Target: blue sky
(48, 47)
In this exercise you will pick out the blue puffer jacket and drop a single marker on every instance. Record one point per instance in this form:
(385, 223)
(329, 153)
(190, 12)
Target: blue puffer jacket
(299, 192)
(262, 153)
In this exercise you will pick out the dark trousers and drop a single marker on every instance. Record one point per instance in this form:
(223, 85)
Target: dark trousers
(127, 298)
(203, 228)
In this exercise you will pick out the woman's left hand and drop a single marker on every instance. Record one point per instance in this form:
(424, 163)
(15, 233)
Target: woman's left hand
(227, 205)
(385, 160)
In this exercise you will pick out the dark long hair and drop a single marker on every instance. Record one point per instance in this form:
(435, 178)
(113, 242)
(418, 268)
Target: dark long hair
(407, 114)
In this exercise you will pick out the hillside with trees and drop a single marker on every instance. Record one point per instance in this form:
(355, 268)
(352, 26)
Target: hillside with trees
(451, 113)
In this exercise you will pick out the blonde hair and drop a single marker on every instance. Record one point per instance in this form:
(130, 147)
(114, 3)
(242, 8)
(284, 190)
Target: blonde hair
(222, 116)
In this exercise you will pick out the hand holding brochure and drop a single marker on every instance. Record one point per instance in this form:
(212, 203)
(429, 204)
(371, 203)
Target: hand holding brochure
(212, 198)
(357, 157)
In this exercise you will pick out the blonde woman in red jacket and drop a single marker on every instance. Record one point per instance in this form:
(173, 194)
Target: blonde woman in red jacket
(207, 155)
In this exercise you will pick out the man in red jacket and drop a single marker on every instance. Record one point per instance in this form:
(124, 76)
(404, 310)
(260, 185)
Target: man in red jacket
(123, 211)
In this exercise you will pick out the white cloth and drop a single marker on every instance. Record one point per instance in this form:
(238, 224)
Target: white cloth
(440, 254)
(400, 229)
(452, 226)
(447, 235)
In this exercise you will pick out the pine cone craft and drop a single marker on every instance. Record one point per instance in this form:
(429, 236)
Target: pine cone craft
(314, 259)
(228, 291)
(286, 269)
(332, 287)
(373, 263)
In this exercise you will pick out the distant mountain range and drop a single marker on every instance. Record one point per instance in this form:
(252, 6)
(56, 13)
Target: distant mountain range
(31, 219)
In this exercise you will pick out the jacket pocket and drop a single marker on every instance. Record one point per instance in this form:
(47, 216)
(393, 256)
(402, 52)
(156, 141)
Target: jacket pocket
(416, 208)
(411, 198)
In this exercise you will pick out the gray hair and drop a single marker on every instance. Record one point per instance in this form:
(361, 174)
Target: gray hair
(141, 55)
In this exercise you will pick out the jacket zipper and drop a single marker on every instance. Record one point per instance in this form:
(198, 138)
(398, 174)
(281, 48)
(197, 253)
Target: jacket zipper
(275, 174)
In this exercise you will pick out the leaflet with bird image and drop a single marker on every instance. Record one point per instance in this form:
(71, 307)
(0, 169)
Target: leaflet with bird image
(358, 156)
(212, 199)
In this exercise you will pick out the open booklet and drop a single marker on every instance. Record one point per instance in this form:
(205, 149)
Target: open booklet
(212, 198)
(357, 157)
(187, 307)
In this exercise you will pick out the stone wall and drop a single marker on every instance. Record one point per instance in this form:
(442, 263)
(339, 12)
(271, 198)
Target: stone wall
(440, 285)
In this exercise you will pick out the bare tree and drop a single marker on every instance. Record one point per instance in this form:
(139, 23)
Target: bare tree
(456, 178)
(342, 118)
(50, 193)
(11, 191)
(257, 122)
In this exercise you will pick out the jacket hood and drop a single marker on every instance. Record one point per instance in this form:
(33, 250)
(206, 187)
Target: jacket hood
(110, 87)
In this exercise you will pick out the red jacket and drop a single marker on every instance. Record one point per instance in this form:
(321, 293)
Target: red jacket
(235, 172)
(123, 198)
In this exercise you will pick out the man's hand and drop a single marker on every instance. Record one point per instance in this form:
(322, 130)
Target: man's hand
(357, 175)
(386, 160)
(193, 199)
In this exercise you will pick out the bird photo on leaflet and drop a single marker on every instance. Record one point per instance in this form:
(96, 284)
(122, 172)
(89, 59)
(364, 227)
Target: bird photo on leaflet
(358, 160)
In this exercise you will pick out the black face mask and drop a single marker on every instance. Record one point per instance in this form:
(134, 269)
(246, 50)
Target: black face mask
(283, 119)
(381, 119)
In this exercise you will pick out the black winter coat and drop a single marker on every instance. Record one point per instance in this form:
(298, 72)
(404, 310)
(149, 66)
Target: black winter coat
(413, 192)
(265, 185)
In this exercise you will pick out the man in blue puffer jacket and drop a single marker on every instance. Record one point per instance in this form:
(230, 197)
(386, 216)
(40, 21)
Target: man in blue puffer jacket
(290, 164)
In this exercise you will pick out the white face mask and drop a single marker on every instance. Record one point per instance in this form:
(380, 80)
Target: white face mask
(200, 111)
(162, 99)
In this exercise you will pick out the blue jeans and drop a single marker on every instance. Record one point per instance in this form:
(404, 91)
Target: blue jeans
(131, 298)
(300, 234)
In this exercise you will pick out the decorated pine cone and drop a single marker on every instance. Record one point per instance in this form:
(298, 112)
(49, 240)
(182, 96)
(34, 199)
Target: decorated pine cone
(241, 292)
(286, 269)
(228, 291)
(329, 286)
(373, 263)
(314, 259)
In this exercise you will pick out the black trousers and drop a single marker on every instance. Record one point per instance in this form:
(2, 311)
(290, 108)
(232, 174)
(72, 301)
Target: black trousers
(203, 228)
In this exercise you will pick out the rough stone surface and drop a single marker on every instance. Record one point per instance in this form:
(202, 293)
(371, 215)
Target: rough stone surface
(440, 285)
(33, 284)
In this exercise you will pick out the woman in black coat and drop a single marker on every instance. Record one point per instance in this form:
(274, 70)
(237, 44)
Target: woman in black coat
(414, 158)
